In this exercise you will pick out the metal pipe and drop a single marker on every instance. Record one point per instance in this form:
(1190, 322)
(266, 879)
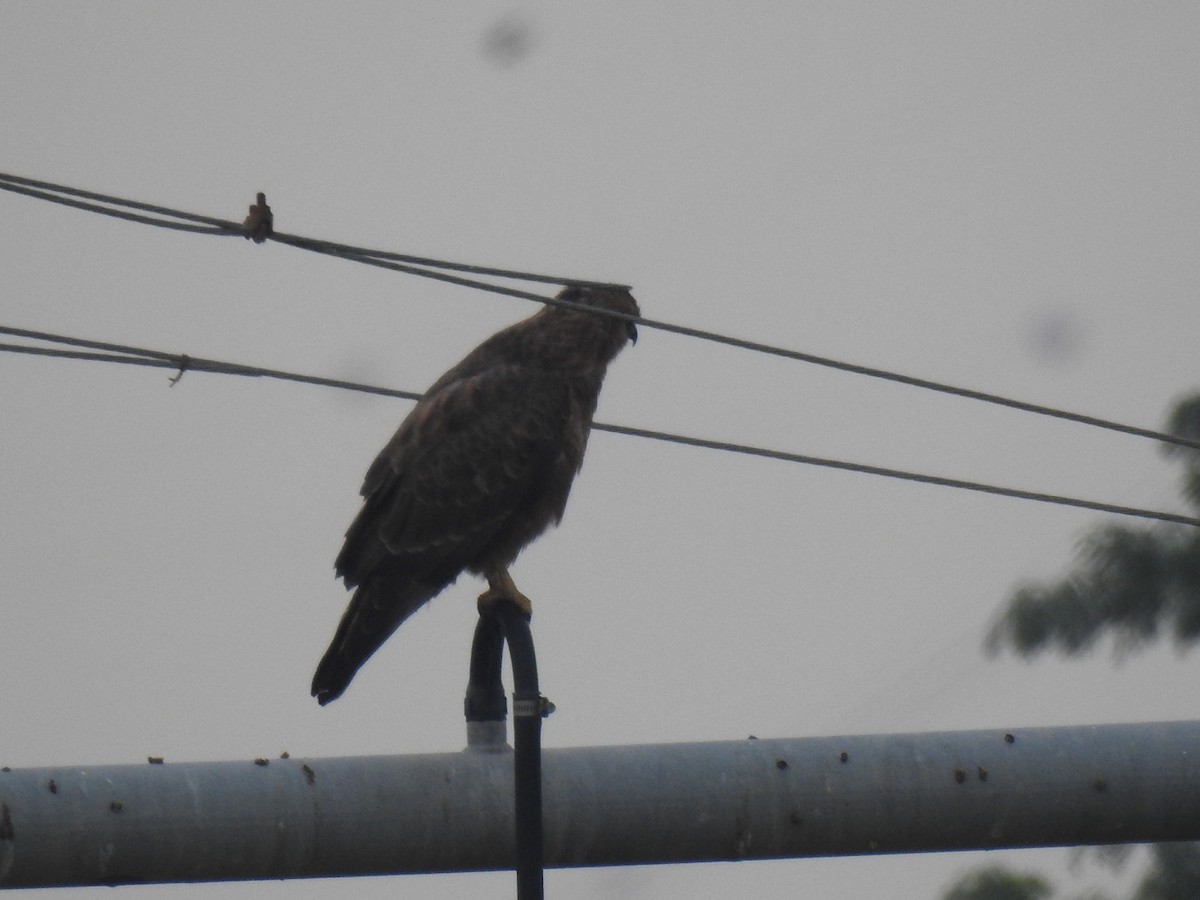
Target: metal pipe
(750, 799)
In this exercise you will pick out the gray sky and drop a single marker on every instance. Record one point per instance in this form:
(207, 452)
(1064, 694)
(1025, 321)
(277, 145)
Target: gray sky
(1002, 196)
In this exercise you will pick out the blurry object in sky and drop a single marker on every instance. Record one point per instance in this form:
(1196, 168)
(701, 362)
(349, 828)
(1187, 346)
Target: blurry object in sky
(259, 223)
(508, 40)
(1054, 336)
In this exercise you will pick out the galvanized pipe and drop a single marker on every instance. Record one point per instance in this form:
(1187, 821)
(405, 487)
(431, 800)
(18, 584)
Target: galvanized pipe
(749, 799)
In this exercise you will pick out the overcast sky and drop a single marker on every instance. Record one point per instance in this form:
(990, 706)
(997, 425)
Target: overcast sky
(1002, 196)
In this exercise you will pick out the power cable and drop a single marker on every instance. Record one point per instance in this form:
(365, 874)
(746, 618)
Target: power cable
(104, 204)
(100, 351)
(426, 267)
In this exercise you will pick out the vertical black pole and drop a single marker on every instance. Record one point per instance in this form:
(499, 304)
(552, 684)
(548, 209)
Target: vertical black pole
(504, 622)
(527, 753)
(485, 692)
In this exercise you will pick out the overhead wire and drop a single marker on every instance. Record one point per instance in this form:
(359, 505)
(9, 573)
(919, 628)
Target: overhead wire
(441, 270)
(106, 204)
(102, 351)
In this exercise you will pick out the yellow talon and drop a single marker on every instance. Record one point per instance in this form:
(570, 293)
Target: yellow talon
(501, 588)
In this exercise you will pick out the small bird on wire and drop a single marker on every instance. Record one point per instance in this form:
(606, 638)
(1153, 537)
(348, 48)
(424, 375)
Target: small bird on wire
(259, 223)
(479, 468)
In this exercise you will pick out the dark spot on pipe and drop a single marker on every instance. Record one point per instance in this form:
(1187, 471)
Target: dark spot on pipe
(6, 769)
(309, 775)
(781, 764)
(260, 761)
(115, 806)
(53, 787)
(1100, 785)
(6, 826)
(1008, 738)
(983, 773)
(843, 756)
(960, 775)
(154, 760)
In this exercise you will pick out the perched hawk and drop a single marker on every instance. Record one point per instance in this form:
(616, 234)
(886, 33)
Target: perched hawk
(480, 467)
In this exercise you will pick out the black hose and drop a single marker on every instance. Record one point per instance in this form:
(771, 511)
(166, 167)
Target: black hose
(501, 622)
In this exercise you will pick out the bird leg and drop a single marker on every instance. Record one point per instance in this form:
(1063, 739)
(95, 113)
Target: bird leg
(502, 589)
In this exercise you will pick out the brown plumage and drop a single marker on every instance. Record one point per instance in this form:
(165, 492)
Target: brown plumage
(481, 466)
(260, 222)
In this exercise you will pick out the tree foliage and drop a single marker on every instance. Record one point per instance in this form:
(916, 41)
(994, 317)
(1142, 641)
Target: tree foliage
(1174, 873)
(997, 883)
(1132, 582)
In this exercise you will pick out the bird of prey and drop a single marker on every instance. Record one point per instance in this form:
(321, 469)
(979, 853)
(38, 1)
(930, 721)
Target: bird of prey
(480, 467)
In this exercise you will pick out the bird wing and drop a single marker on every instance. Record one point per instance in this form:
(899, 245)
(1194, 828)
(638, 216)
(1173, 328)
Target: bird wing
(474, 469)
(465, 462)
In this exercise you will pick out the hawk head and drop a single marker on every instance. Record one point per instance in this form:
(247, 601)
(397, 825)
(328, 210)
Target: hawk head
(608, 297)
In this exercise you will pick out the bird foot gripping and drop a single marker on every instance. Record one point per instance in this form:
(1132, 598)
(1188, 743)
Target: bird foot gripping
(502, 589)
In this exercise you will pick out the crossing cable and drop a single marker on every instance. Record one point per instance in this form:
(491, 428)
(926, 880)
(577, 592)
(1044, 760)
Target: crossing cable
(440, 270)
(101, 351)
